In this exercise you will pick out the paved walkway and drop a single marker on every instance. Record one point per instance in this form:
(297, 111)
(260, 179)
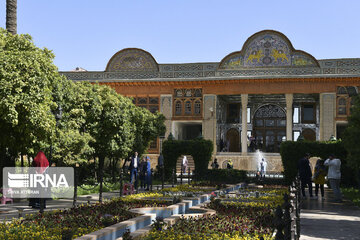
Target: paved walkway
(323, 219)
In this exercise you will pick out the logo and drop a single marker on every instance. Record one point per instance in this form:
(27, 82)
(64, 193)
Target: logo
(34, 183)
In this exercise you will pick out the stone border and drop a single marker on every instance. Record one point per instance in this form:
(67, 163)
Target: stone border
(141, 225)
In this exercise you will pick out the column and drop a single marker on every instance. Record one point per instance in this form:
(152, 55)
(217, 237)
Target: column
(327, 115)
(244, 103)
(166, 110)
(289, 116)
(209, 120)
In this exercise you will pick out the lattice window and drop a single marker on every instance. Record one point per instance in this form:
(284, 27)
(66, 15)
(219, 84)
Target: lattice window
(178, 108)
(187, 107)
(345, 100)
(142, 100)
(154, 100)
(342, 106)
(197, 108)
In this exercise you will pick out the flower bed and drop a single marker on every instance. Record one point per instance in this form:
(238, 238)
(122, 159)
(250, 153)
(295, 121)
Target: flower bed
(233, 220)
(213, 227)
(77, 221)
(186, 188)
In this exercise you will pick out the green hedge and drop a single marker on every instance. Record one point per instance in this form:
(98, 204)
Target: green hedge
(223, 176)
(291, 152)
(200, 149)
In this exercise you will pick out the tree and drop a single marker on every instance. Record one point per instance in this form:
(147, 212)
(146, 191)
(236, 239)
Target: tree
(351, 137)
(26, 77)
(11, 16)
(148, 127)
(109, 123)
(71, 141)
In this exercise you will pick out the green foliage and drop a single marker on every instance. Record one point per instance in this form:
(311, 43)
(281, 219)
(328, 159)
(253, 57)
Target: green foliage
(26, 77)
(292, 152)
(351, 136)
(199, 149)
(148, 127)
(96, 121)
(353, 194)
(223, 176)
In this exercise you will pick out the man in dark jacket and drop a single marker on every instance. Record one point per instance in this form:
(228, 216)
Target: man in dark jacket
(134, 166)
(305, 174)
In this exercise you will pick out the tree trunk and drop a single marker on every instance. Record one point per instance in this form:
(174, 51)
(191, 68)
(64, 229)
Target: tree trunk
(101, 169)
(11, 16)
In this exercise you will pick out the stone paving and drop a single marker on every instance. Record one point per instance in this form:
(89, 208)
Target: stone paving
(324, 219)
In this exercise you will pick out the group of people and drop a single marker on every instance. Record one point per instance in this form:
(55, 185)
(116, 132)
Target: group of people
(330, 167)
(140, 170)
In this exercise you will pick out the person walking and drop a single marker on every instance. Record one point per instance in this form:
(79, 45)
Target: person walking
(305, 175)
(319, 177)
(134, 165)
(334, 175)
(41, 164)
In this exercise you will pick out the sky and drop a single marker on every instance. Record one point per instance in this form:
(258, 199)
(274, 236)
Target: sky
(87, 33)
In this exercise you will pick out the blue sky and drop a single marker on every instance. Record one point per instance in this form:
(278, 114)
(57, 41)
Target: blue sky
(86, 33)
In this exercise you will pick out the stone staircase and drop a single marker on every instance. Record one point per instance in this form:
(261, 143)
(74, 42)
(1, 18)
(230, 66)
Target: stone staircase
(191, 164)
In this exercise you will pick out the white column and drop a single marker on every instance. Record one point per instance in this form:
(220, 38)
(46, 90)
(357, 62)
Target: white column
(289, 116)
(327, 115)
(244, 103)
(209, 121)
(166, 110)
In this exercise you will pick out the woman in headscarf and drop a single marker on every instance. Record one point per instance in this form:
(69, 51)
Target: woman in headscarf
(41, 163)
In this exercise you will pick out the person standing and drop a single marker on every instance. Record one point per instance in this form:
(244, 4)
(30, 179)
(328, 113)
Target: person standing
(305, 174)
(262, 168)
(148, 173)
(134, 165)
(215, 164)
(230, 164)
(184, 164)
(142, 173)
(334, 175)
(319, 177)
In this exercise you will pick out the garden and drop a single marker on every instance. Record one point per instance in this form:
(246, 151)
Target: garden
(239, 211)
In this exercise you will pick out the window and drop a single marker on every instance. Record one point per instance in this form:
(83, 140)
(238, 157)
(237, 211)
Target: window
(153, 144)
(187, 103)
(296, 135)
(344, 100)
(142, 100)
(249, 133)
(296, 115)
(248, 115)
(154, 100)
(308, 113)
(188, 107)
(178, 108)
(197, 107)
(342, 106)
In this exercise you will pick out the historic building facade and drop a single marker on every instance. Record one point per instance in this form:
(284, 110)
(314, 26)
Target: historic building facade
(255, 98)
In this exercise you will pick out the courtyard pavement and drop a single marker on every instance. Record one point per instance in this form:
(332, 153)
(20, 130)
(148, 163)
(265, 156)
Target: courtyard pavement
(326, 220)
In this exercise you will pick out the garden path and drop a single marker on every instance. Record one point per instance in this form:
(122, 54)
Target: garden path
(324, 219)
